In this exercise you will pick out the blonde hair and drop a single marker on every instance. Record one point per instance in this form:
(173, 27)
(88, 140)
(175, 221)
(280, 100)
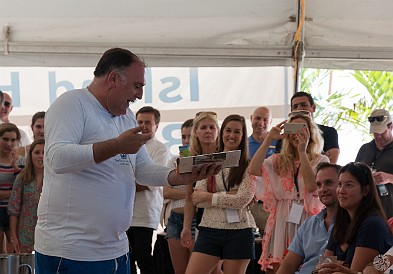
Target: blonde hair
(288, 152)
(195, 144)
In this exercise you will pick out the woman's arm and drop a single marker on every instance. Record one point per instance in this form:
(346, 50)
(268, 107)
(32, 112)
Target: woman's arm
(189, 212)
(363, 256)
(236, 200)
(14, 233)
(174, 193)
(305, 165)
(259, 156)
(307, 172)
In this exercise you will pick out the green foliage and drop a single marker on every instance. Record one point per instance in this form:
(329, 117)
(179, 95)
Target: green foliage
(336, 112)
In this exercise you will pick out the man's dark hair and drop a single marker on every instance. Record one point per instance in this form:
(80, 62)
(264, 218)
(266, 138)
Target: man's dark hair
(187, 123)
(324, 165)
(302, 94)
(115, 59)
(148, 109)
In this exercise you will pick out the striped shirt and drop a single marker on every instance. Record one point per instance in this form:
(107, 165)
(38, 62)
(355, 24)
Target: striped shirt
(7, 177)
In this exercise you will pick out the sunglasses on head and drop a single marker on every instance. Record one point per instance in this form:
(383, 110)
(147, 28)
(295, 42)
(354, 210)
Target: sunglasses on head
(206, 112)
(299, 112)
(378, 118)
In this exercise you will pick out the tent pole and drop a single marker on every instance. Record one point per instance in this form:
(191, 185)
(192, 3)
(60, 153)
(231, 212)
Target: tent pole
(298, 47)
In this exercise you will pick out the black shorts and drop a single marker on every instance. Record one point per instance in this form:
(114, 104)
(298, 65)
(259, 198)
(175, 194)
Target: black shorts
(232, 244)
(4, 219)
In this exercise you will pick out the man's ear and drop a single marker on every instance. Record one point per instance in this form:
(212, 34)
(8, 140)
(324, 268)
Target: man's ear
(111, 78)
(313, 108)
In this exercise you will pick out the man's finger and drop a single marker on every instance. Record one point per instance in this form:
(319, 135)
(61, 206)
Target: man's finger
(137, 129)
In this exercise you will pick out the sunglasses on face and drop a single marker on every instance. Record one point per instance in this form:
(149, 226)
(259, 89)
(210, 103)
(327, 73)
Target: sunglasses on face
(378, 118)
(7, 104)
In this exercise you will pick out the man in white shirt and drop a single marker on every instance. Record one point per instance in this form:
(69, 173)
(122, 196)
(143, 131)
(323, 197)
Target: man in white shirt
(94, 153)
(148, 199)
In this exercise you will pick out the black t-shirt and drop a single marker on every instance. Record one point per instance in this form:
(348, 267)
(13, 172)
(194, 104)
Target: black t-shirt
(379, 160)
(373, 233)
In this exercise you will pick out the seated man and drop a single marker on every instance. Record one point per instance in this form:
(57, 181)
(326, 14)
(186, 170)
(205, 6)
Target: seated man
(312, 236)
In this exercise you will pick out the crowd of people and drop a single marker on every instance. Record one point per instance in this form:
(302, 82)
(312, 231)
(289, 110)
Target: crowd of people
(21, 179)
(108, 183)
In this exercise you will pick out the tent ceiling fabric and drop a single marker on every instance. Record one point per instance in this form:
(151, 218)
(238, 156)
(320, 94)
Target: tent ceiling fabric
(350, 33)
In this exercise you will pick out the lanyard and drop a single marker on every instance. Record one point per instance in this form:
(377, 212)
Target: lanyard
(223, 181)
(295, 180)
(377, 154)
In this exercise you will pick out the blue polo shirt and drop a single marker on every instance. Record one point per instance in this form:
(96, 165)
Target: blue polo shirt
(253, 146)
(310, 241)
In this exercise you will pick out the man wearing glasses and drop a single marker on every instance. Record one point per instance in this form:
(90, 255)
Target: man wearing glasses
(378, 154)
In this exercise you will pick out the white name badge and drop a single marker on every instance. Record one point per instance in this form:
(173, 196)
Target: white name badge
(232, 215)
(295, 215)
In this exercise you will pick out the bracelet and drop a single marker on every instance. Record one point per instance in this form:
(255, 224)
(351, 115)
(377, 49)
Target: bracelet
(381, 262)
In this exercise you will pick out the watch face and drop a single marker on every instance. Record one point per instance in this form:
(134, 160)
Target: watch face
(381, 262)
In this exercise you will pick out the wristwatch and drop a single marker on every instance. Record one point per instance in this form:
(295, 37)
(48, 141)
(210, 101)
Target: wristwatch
(381, 262)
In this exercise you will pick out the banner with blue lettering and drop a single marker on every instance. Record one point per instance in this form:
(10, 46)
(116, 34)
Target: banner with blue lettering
(177, 92)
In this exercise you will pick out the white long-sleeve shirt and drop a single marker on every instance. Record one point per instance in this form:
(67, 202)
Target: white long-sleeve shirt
(148, 203)
(85, 207)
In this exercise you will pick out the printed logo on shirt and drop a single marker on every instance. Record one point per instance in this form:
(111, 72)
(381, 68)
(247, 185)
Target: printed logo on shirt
(122, 159)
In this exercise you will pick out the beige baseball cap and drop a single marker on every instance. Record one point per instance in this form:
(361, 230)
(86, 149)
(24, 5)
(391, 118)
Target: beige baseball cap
(379, 120)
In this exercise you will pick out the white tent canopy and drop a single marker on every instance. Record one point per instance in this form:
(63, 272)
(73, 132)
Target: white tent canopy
(336, 34)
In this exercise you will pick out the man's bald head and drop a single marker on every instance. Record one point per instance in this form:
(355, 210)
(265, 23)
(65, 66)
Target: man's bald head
(260, 121)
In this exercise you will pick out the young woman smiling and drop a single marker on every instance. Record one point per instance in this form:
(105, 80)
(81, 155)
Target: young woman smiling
(360, 230)
(226, 228)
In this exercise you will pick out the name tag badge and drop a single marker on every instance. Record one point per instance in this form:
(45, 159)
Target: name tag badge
(295, 215)
(232, 215)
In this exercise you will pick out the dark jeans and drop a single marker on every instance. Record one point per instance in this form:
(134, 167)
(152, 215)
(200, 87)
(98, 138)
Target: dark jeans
(45, 264)
(140, 239)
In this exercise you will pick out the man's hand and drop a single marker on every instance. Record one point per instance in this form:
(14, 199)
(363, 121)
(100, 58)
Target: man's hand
(127, 142)
(197, 174)
(381, 177)
(131, 140)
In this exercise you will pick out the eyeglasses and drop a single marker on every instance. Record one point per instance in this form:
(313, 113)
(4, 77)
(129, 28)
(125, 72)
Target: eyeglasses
(299, 112)
(7, 104)
(378, 118)
(206, 112)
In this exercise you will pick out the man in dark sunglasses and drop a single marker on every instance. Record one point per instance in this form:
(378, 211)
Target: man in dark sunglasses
(378, 154)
